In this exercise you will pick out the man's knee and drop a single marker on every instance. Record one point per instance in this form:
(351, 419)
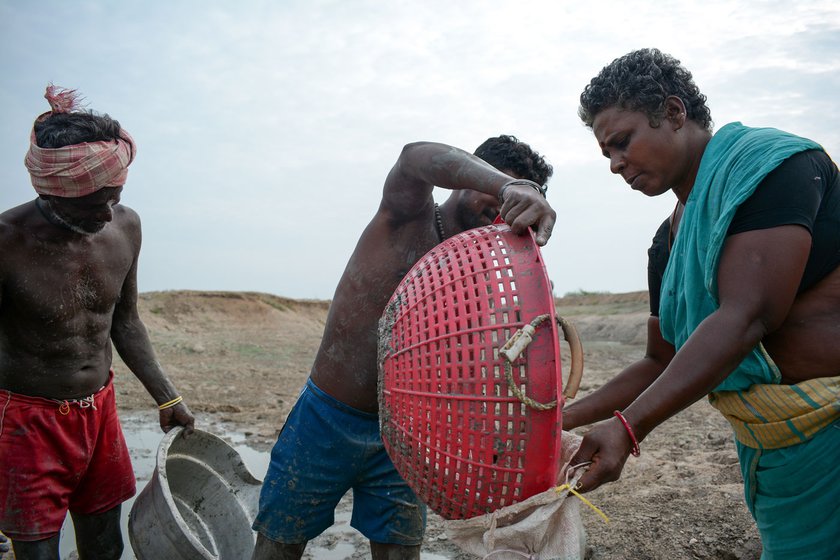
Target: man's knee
(267, 549)
(46, 549)
(99, 536)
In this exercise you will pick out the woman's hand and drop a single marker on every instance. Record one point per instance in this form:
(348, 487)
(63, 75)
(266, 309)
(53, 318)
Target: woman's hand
(607, 446)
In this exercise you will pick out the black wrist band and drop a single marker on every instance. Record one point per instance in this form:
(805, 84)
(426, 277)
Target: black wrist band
(533, 185)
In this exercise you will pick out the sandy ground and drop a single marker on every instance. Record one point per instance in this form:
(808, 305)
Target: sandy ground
(241, 358)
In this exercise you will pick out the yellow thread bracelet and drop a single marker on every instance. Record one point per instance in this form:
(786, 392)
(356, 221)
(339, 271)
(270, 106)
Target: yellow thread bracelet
(170, 404)
(559, 489)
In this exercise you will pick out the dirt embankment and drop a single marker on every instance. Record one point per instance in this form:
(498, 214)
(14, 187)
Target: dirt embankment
(240, 354)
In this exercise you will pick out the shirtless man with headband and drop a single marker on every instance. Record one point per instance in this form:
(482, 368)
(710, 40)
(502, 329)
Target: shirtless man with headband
(68, 288)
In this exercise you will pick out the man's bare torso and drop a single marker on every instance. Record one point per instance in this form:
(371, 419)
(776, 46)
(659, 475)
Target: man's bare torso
(346, 364)
(58, 290)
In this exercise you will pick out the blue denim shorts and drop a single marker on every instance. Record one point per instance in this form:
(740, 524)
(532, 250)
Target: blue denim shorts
(325, 449)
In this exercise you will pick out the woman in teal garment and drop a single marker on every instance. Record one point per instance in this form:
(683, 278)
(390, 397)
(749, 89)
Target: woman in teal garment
(749, 312)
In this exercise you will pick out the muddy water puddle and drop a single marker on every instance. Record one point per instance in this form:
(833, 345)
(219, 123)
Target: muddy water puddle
(143, 435)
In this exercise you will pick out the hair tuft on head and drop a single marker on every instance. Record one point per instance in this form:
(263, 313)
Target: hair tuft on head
(63, 100)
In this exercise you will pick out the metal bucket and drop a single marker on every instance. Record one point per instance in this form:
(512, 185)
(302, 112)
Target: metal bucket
(199, 503)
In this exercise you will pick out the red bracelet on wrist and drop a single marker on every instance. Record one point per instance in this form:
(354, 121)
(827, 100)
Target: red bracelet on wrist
(634, 451)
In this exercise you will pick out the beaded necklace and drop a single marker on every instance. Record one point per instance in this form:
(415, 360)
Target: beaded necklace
(439, 223)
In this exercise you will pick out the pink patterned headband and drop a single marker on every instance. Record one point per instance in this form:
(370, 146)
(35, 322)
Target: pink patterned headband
(79, 169)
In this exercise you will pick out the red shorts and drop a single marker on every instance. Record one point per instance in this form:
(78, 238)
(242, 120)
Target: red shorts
(56, 457)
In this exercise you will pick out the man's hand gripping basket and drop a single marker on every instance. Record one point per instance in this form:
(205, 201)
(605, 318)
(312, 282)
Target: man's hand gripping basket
(470, 387)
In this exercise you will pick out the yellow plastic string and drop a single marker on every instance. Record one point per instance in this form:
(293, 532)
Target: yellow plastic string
(584, 500)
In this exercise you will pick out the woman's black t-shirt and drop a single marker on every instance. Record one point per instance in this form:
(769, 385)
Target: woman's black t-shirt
(803, 190)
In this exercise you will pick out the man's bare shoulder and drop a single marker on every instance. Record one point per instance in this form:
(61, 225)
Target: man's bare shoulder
(127, 221)
(15, 214)
(15, 221)
(123, 212)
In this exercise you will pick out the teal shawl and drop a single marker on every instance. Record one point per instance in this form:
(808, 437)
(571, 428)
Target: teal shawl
(792, 492)
(736, 160)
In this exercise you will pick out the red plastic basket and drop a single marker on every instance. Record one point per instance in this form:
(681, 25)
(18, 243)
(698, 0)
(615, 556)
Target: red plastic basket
(472, 313)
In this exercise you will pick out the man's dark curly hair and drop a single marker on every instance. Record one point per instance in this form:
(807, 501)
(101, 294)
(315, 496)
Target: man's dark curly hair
(641, 81)
(508, 153)
(65, 129)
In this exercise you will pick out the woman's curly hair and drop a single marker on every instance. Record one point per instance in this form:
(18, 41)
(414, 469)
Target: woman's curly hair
(641, 81)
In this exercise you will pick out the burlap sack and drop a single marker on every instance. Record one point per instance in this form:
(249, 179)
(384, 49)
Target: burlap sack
(545, 526)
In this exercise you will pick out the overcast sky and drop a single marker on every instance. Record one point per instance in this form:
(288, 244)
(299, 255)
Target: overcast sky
(265, 129)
